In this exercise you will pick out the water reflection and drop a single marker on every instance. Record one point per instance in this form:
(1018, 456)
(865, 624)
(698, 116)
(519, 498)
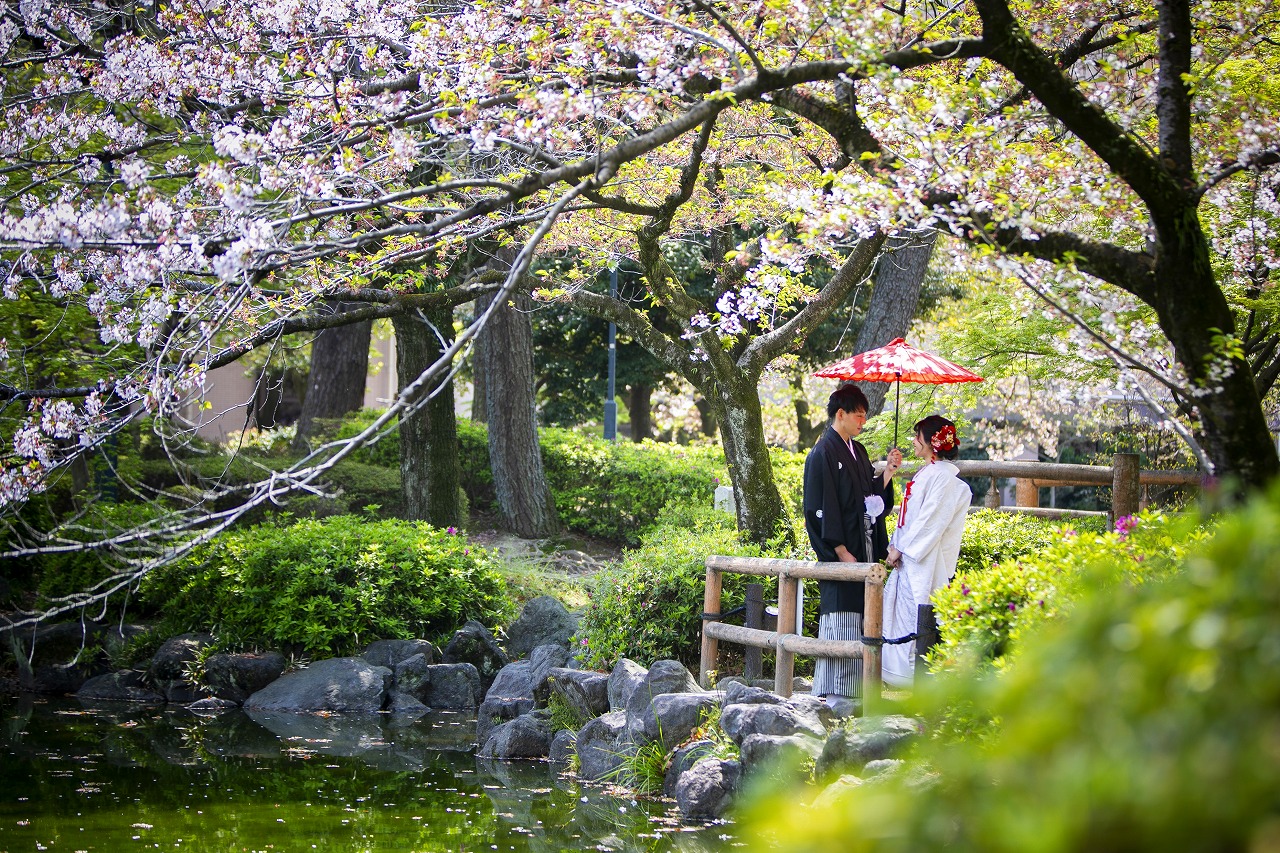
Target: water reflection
(112, 776)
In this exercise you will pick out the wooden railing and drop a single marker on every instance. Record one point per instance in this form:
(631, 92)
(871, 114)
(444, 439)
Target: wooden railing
(1128, 483)
(787, 640)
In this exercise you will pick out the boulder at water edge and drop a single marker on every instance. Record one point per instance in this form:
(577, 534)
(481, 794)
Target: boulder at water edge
(706, 789)
(239, 676)
(337, 684)
(542, 621)
(474, 644)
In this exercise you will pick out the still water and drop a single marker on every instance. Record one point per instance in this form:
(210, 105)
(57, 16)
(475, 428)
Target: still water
(124, 778)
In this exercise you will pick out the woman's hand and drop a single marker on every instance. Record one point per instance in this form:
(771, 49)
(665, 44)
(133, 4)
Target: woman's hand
(895, 557)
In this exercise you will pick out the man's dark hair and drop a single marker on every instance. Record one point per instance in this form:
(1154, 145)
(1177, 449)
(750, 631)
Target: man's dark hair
(847, 397)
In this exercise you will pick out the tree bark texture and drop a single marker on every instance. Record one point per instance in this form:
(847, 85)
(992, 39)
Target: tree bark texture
(639, 402)
(1194, 314)
(894, 298)
(755, 491)
(429, 469)
(504, 353)
(339, 371)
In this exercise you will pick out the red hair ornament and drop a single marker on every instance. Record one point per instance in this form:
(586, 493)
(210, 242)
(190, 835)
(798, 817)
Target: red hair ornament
(945, 439)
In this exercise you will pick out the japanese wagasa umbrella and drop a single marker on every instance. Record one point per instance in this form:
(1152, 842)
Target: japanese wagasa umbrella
(898, 361)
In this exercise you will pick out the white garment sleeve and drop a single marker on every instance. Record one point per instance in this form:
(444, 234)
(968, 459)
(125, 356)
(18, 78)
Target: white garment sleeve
(928, 516)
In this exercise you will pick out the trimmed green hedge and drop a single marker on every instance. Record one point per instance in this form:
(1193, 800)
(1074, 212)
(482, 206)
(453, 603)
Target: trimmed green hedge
(328, 587)
(611, 490)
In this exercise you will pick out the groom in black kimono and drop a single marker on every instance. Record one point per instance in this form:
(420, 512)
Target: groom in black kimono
(844, 510)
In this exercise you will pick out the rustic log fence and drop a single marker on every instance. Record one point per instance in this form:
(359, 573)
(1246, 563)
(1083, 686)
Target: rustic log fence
(787, 641)
(1128, 485)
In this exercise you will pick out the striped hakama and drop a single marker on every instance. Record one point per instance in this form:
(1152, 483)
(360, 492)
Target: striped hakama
(839, 676)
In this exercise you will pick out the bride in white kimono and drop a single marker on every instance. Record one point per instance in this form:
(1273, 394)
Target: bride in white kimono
(925, 544)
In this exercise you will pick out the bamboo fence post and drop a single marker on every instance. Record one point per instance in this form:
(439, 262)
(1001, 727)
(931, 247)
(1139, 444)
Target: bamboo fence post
(710, 645)
(784, 666)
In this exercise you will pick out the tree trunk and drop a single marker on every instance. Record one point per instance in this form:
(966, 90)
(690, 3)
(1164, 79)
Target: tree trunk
(807, 430)
(479, 412)
(429, 471)
(755, 492)
(1193, 314)
(707, 413)
(504, 352)
(339, 371)
(894, 298)
(638, 406)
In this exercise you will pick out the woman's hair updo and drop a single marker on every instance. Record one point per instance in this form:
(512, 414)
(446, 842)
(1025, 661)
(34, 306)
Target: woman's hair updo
(940, 434)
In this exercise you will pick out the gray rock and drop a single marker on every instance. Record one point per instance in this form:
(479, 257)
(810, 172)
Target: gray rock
(799, 684)
(670, 718)
(527, 736)
(513, 681)
(543, 621)
(212, 706)
(173, 659)
(706, 789)
(172, 663)
(665, 676)
(562, 746)
(452, 687)
(474, 644)
(779, 754)
(388, 653)
(603, 746)
(741, 693)
(239, 676)
(836, 794)
(585, 692)
(869, 739)
(495, 711)
(337, 684)
(541, 662)
(627, 675)
(883, 767)
(741, 721)
(413, 676)
(124, 686)
(403, 705)
(681, 760)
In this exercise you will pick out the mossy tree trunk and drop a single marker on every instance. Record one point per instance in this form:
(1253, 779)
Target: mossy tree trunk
(429, 470)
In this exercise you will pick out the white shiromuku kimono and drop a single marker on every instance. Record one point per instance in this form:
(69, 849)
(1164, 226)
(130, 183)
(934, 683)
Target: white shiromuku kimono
(930, 523)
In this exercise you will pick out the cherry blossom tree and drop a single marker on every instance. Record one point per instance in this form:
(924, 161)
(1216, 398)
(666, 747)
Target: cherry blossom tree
(199, 176)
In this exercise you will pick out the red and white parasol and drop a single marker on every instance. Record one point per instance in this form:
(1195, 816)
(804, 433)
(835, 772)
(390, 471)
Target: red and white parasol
(898, 361)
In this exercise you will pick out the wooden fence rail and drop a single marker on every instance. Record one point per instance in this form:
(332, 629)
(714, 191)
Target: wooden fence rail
(786, 640)
(1123, 475)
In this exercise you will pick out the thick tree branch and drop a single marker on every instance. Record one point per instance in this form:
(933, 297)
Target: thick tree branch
(1013, 48)
(856, 269)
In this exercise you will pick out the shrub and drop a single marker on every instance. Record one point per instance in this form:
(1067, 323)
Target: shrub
(649, 607)
(992, 537)
(1145, 721)
(987, 611)
(327, 587)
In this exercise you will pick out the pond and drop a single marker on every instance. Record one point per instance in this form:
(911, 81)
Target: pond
(117, 778)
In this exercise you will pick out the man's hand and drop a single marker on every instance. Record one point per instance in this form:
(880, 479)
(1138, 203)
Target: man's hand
(845, 555)
(892, 464)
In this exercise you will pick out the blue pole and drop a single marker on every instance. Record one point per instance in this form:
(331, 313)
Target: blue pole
(610, 404)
